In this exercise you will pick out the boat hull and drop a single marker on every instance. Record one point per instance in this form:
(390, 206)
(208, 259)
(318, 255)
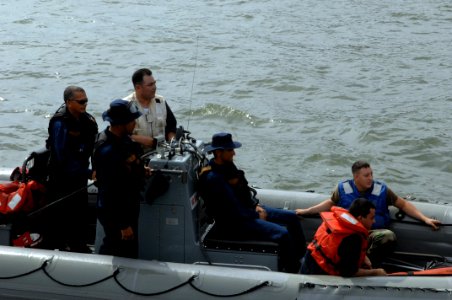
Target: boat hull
(61, 275)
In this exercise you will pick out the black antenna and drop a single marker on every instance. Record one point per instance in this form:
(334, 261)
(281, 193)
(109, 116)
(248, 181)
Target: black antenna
(193, 80)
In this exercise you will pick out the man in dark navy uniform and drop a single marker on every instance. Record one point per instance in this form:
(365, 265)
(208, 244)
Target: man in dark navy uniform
(120, 176)
(238, 215)
(72, 132)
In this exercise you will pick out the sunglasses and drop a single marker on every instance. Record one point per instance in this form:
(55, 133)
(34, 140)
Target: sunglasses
(81, 102)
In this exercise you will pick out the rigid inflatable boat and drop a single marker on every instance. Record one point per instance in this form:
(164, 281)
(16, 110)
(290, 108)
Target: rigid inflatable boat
(181, 257)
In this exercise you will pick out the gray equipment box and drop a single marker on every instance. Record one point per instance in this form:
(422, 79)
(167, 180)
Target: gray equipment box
(5, 234)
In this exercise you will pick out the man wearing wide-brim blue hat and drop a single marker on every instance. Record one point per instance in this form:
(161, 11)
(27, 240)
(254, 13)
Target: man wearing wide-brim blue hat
(121, 112)
(120, 176)
(238, 214)
(222, 141)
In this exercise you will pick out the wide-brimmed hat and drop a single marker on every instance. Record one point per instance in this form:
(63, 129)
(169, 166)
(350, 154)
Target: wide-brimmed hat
(222, 141)
(121, 112)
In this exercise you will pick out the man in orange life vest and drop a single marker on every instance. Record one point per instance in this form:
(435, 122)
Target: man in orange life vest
(340, 243)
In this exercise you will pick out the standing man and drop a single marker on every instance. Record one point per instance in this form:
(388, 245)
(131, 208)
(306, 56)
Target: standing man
(157, 119)
(340, 243)
(120, 178)
(72, 132)
(238, 215)
(363, 185)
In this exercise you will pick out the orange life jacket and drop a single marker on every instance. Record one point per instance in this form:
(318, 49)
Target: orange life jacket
(17, 196)
(337, 224)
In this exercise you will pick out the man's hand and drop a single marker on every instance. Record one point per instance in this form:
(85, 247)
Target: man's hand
(262, 213)
(300, 211)
(413, 212)
(147, 171)
(367, 264)
(379, 272)
(433, 223)
(371, 272)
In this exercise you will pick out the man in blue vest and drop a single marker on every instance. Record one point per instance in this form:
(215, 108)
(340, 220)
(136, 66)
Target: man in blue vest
(382, 240)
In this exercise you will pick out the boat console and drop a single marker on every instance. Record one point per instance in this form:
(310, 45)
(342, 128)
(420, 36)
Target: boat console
(173, 225)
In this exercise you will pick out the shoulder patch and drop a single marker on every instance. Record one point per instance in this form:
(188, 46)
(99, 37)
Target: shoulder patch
(205, 170)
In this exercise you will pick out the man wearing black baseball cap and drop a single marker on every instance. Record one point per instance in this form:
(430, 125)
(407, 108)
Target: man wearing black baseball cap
(120, 177)
(238, 214)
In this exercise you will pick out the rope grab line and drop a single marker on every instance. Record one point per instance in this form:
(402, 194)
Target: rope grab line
(115, 274)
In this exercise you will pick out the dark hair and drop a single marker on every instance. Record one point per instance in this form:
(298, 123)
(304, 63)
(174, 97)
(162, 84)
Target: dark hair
(138, 75)
(360, 207)
(70, 91)
(358, 165)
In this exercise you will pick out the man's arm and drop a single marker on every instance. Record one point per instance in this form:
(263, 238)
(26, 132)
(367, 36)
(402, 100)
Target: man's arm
(58, 137)
(370, 272)
(171, 123)
(111, 173)
(349, 252)
(412, 211)
(322, 206)
(143, 140)
(222, 200)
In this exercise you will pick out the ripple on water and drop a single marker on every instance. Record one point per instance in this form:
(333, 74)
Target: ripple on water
(307, 86)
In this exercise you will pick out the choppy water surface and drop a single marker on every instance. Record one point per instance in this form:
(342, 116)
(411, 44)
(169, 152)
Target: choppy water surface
(308, 87)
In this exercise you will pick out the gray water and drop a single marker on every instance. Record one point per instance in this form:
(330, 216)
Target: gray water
(308, 86)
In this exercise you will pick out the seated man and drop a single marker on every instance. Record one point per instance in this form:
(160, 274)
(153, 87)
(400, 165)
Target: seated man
(382, 241)
(340, 243)
(237, 215)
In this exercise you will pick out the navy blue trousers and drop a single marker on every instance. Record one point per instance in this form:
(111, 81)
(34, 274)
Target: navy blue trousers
(283, 227)
(112, 243)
